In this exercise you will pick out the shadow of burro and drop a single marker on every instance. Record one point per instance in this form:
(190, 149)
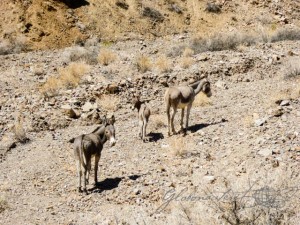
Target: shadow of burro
(110, 183)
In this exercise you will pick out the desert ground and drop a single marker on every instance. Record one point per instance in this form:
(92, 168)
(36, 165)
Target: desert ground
(237, 164)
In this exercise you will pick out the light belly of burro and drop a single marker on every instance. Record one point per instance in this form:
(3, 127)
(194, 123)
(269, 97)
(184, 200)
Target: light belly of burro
(182, 105)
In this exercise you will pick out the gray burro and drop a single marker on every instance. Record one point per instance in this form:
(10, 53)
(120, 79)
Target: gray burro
(88, 145)
(182, 97)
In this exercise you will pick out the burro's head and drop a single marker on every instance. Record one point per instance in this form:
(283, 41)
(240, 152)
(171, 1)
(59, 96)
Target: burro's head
(110, 130)
(136, 102)
(206, 88)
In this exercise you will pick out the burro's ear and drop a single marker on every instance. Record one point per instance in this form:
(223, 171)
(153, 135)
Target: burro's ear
(203, 76)
(112, 120)
(104, 120)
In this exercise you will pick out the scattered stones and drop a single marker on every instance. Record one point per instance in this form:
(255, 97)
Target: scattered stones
(265, 152)
(276, 112)
(285, 103)
(88, 106)
(209, 179)
(69, 111)
(221, 84)
(260, 122)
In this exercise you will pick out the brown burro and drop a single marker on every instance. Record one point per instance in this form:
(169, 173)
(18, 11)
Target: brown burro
(143, 115)
(88, 145)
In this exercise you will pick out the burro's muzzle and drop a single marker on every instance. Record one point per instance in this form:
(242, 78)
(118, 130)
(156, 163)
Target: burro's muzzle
(112, 141)
(209, 94)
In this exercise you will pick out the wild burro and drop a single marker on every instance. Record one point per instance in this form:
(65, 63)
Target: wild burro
(143, 115)
(88, 145)
(182, 97)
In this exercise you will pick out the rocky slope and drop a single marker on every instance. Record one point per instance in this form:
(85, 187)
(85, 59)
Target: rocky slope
(39, 24)
(245, 139)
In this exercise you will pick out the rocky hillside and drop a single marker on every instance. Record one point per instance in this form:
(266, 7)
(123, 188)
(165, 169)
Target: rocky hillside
(40, 24)
(243, 140)
(239, 161)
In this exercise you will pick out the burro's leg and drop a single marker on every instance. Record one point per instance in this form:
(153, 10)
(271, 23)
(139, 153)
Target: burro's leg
(141, 129)
(97, 158)
(172, 119)
(187, 116)
(181, 121)
(84, 178)
(79, 174)
(88, 166)
(144, 128)
(169, 120)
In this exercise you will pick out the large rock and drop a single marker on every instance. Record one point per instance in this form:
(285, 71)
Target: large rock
(265, 152)
(88, 106)
(69, 111)
(260, 122)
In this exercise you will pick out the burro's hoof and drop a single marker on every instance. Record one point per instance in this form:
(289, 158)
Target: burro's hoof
(79, 190)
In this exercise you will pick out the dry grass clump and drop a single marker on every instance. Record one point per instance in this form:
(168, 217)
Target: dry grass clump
(248, 121)
(106, 57)
(212, 8)
(159, 121)
(37, 69)
(176, 51)
(69, 76)
(108, 102)
(82, 54)
(178, 145)
(286, 34)
(13, 45)
(163, 64)
(187, 52)
(19, 130)
(202, 100)
(292, 68)
(220, 42)
(143, 64)
(186, 62)
(3, 204)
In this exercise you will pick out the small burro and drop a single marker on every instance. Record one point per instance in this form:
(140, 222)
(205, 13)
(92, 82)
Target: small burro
(88, 145)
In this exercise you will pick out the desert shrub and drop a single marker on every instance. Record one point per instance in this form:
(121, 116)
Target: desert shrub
(202, 100)
(69, 76)
(212, 8)
(122, 4)
(178, 146)
(186, 62)
(13, 45)
(188, 52)
(221, 42)
(153, 14)
(163, 64)
(78, 53)
(286, 34)
(3, 204)
(143, 64)
(19, 130)
(292, 68)
(108, 102)
(176, 51)
(159, 121)
(106, 57)
(91, 42)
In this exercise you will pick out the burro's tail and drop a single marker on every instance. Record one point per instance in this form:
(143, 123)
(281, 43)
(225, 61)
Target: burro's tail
(81, 152)
(167, 97)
